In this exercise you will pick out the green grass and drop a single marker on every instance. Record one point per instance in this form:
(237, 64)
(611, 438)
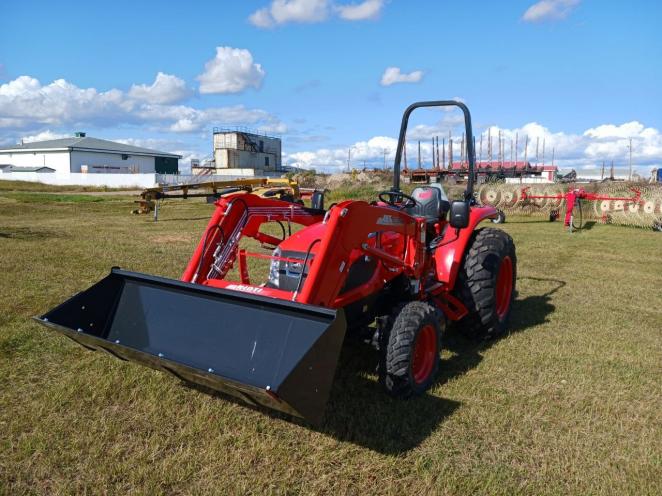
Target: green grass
(32, 186)
(568, 403)
(51, 197)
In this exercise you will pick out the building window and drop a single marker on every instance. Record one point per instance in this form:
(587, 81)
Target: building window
(125, 157)
(266, 161)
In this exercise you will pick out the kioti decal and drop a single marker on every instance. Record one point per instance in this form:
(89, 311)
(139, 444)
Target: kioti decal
(245, 289)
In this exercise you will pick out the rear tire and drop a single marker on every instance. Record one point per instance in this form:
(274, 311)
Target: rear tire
(410, 351)
(486, 283)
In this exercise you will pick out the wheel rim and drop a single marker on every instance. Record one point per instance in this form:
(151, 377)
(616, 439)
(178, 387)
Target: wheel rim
(425, 351)
(504, 287)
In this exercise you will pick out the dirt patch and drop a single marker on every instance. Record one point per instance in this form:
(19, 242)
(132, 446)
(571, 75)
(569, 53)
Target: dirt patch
(28, 233)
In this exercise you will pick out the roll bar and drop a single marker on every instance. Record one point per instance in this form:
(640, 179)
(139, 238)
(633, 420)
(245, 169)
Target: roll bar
(468, 193)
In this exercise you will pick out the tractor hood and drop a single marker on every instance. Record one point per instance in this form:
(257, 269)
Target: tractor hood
(300, 241)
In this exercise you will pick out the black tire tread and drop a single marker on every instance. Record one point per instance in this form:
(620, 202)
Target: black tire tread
(477, 281)
(406, 321)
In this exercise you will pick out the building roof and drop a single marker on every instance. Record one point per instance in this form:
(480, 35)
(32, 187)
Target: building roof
(39, 168)
(87, 144)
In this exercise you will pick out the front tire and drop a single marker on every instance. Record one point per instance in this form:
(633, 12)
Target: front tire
(486, 283)
(410, 354)
(500, 218)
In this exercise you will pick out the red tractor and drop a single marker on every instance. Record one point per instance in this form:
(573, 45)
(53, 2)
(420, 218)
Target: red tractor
(394, 271)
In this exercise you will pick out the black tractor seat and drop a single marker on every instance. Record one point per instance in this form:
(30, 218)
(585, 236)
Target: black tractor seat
(431, 204)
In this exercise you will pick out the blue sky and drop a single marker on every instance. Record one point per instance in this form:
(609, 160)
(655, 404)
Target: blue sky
(582, 75)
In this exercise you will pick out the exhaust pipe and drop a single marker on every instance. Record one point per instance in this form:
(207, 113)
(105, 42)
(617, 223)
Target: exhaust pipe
(273, 353)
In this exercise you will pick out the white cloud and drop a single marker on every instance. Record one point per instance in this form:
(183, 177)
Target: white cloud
(44, 136)
(311, 11)
(393, 75)
(27, 104)
(623, 131)
(284, 11)
(583, 151)
(232, 70)
(165, 89)
(369, 9)
(185, 119)
(549, 10)
(371, 150)
(24, 101)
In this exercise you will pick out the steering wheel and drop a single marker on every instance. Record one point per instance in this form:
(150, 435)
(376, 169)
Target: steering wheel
(395, 199)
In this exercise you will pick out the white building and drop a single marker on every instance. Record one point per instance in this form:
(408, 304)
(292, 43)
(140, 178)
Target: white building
(246, 150)
(82, 154)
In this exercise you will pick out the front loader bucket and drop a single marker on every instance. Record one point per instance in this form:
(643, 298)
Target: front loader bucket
(268, 352)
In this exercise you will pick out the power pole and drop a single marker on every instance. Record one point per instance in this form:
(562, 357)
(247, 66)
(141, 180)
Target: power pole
(502, 146)
(503, 149)
(385, 152)
(526, 149)
(443, 153)
(602, 171)
(419, 154)
(611, 172)
(543, 151)
(537, 149)
(480, 153)
(630, 177)
(499, 156)
(434, 164)
(474, 140)
(349, 154)
(511, 152)
(553, 151)
(516, 146)
(489, 145)
(450, 153)
(450, 148)
(404, 151)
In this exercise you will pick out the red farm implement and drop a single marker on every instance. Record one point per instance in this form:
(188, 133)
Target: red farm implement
(573, 203)
(392, 271)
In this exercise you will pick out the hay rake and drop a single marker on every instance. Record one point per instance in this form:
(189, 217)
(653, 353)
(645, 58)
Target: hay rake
(635, 205)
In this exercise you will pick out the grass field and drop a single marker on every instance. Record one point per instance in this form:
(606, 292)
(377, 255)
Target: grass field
(569, 402)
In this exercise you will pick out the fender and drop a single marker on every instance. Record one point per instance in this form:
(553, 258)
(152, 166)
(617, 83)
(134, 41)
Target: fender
(448, 256)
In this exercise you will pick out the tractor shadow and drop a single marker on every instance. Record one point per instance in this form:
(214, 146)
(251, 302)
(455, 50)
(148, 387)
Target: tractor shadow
(359, 412)
(534, 220)
(526, 313)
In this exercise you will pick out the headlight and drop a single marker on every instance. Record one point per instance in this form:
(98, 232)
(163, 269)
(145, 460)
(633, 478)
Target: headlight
(275, 265)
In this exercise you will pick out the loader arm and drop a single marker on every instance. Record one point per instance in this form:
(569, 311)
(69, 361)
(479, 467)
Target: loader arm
(236, 216)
